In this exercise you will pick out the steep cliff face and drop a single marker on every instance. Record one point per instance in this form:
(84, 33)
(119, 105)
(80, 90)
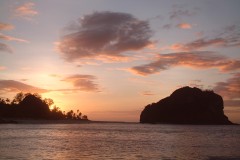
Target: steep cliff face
(186, 106)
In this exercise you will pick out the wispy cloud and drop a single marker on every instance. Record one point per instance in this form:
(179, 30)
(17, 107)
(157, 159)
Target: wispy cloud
(104, 35)
(200, 60)
(184, 26)
(147, 93)
(83, 82)
(5, 26)
(10, 38)
(198, 44)
(180, 13)
(26, 11)
(5, 48)
(228, 37)
(16, 86)
(167, 26)
(230, 90)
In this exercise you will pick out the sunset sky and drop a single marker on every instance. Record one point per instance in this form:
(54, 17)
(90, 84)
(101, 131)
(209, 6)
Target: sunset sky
(109, 58)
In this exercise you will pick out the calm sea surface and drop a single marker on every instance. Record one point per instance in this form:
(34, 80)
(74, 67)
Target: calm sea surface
(118, 141)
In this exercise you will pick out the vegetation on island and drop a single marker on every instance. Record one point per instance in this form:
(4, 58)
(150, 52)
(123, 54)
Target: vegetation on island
(33, 106)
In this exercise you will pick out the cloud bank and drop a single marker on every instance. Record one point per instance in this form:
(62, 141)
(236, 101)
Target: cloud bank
(199, 60)
(104, 34)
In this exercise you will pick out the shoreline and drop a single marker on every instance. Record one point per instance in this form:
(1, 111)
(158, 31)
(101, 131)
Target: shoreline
(42, 121)
(59, 121)
(72, 121)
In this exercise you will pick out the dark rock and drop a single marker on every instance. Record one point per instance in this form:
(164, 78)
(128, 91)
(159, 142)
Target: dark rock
(186, 106)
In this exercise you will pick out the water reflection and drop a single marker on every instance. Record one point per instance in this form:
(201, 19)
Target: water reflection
(118, 141)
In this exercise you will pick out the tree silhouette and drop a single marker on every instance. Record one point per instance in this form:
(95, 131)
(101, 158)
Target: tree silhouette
(18, 98)
(48, 101)
(32, 106)
(84, 117)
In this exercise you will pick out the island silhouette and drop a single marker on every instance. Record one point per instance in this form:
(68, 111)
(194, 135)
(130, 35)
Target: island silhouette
(32, 107)
(187, 105)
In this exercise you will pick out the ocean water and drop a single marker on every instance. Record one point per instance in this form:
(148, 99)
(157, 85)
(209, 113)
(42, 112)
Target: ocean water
(119, 141)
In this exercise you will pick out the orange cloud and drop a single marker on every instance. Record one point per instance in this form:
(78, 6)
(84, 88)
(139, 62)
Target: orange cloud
(104, 34)
(82, 82)
(5, 26)
(184, 26)
(26, 10)
(15, 86)
(199, 60)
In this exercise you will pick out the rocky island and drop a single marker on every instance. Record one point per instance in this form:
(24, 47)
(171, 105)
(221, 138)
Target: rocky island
(187, 106)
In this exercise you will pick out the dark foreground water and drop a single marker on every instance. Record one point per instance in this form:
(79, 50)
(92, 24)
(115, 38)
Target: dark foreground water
(118, 141)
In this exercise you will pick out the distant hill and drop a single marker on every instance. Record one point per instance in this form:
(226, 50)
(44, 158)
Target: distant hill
(187, 106)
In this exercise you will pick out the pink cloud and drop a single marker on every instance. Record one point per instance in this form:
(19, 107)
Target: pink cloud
(26, 10)
(198, 60)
